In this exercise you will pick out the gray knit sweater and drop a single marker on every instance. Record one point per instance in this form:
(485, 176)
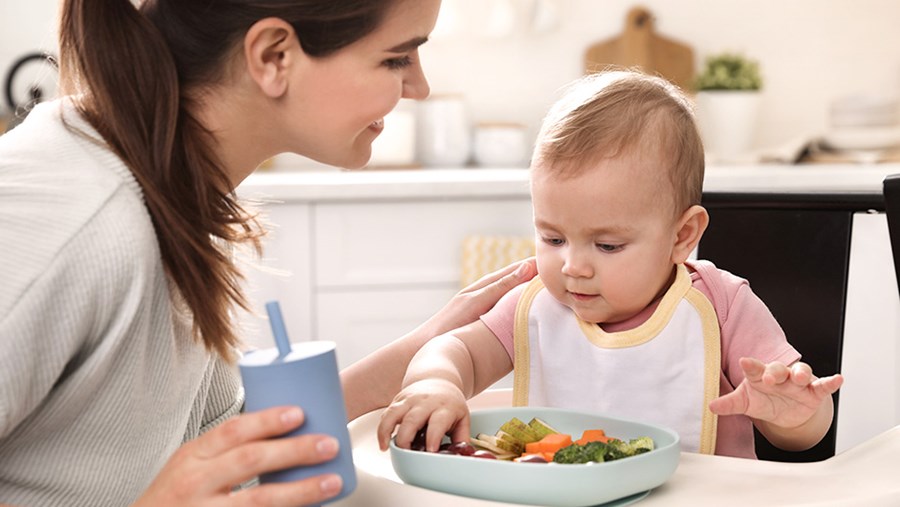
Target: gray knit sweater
(100, 380)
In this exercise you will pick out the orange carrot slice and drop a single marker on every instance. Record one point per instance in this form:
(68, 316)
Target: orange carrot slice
(592, 436)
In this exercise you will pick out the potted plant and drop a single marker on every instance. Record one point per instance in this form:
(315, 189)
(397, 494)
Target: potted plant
(728, 94)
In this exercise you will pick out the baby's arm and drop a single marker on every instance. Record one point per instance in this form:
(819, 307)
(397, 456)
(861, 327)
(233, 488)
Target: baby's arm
(790, 406)
(441, 377)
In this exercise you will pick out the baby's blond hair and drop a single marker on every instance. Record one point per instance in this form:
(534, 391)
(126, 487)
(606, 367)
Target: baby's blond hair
(623, 112)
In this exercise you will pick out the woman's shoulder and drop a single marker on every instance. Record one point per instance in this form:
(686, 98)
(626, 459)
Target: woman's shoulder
(56, 173)
(64, 203)
(55, 148)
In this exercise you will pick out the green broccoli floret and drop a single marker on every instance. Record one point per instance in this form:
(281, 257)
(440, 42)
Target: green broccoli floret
(641, 444)
(618, 449)
(576, 454)
(568, 455)
(600, 452)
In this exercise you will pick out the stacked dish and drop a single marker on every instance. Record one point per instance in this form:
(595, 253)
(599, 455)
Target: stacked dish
(863, 122)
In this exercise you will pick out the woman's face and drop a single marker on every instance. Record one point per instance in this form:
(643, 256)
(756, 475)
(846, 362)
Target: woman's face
(340, 101)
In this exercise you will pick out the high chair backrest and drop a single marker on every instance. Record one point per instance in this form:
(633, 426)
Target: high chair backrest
(795, 250)
(892, 209)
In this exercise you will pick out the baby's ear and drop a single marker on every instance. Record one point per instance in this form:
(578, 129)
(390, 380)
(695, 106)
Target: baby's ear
(270, 48)
(688, 231)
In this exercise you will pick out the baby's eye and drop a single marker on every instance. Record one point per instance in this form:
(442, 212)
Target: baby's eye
(554, 241)
(605, 247)
(398, 63)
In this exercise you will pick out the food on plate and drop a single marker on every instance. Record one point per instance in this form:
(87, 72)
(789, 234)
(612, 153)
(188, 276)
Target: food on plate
(538, 442)
(549, 444)
(597, 451)
(592, 436)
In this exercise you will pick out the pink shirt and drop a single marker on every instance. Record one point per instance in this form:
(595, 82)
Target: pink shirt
(747, 329)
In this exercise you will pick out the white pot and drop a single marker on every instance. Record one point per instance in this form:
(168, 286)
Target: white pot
(443, 138)
(727, 121)
(500, 145)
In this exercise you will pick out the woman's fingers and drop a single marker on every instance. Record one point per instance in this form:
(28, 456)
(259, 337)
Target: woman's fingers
(204, 472)
(312, 491)
(246, 428)
(508, 277)
(252, 459)
(242, 448)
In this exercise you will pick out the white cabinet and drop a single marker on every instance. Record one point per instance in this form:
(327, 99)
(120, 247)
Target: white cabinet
(406, 242)
(283, 274)
(364, 272)
(360, 321)
(382, 268)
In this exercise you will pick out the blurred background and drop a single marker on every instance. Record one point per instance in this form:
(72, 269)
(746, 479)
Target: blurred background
(503, 61)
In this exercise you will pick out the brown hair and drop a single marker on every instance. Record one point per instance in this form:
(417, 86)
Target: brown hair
(616, 112)
(131, 70)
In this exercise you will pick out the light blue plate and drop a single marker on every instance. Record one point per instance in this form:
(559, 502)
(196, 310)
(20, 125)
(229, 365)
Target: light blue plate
(553, 485)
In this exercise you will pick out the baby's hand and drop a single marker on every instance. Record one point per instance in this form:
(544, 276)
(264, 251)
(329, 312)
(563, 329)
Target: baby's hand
(781, 395)
(436, 404)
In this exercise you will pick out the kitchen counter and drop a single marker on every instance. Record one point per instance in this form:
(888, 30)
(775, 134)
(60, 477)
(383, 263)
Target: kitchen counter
(863, 475)
(324, 186)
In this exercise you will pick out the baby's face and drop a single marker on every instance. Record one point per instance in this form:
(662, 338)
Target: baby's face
(604, 238)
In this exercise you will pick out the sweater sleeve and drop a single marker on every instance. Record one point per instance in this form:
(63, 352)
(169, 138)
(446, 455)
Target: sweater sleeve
(45, 326)
(66, 274)
(226, 396)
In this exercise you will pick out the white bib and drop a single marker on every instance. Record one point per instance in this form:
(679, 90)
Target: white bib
(665, 371)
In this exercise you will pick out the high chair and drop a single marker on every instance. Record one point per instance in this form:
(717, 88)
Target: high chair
(892, 209)
(821, 262)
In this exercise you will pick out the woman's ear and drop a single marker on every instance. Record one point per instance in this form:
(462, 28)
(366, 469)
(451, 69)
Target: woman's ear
(270, 49)
(689, 229)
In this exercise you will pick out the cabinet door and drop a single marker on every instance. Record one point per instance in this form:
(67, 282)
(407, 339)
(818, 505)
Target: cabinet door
(414, 243)
(361, 321)
(283, 274)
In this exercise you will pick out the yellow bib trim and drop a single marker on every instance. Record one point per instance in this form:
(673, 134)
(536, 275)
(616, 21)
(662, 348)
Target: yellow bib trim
(649, 329)
(522, 363)
(712, 347)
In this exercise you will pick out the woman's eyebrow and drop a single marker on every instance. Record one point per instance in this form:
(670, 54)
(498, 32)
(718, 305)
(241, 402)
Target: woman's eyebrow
(408, 45)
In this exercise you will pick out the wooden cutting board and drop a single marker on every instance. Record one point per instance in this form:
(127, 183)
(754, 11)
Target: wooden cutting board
(640, 46)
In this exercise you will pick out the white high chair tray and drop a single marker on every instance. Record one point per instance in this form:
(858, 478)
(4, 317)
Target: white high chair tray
(866, 475)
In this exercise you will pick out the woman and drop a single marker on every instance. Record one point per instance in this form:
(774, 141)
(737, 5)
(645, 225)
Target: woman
(118, 222)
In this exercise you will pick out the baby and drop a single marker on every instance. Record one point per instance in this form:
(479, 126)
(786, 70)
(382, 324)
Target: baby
(619, 320)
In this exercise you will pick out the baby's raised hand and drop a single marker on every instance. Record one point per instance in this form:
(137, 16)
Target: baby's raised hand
(781, 395)
(436, 404)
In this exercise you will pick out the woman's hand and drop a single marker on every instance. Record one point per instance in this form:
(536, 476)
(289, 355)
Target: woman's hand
(791, 407)
(204, 471)
(475, 300)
